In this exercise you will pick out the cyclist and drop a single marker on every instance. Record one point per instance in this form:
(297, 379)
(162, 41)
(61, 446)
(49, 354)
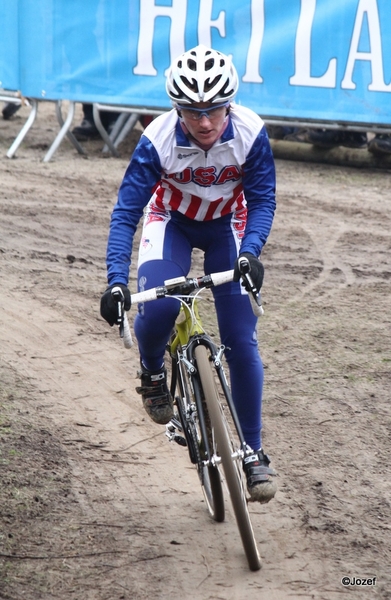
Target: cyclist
(205, 173)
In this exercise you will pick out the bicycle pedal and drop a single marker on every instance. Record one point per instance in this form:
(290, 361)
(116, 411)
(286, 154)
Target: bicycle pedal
(180, 440)
(171, 428)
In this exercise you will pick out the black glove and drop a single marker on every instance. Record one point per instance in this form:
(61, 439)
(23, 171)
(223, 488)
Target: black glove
(256, 270)
(109, 306)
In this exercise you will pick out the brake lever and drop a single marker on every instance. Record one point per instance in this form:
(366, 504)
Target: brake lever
(122, 320)
(118, 295)
(244, 270)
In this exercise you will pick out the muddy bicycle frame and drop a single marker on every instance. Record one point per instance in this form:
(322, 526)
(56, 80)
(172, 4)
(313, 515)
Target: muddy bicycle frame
(189, 333)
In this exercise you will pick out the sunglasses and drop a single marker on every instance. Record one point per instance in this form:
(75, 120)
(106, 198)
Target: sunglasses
(195, 114)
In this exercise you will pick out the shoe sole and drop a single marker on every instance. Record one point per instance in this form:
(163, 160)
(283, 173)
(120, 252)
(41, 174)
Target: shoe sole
(263, 492)
(161, 416)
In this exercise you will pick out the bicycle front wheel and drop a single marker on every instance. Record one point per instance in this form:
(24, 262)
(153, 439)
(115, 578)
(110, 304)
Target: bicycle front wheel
(209, 475)
(226, 450)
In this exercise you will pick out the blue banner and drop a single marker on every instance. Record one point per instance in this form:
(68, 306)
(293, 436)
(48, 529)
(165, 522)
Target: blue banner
(326, 60)
(9, 45)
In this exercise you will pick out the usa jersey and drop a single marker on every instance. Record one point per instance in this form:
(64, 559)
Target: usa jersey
(170, 172)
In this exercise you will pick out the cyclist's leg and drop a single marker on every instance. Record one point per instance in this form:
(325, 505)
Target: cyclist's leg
(237, 326)
(246, 373)
(152, 327)
(155, 320)
(164, 253)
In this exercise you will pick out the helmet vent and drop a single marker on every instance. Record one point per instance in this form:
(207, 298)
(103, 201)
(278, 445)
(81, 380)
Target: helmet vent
(225, 91)
(192, 85)
(209, 85)
(192, 64)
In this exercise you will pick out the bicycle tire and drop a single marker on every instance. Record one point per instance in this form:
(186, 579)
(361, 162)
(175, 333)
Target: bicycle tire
(209, 475)
(231, 468)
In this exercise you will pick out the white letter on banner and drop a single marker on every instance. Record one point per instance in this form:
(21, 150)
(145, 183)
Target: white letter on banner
(205, 23)
(302, 74)
(148, 13)
(375, 57)
(254, 49)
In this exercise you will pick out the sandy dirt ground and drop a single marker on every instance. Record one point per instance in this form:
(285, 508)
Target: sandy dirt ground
(95, 503)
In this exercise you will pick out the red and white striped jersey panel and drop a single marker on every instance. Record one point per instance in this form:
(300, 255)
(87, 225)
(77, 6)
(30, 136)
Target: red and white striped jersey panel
(169, 198)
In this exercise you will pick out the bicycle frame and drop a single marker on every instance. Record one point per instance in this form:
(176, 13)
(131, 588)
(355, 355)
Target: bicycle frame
(189, 332)
(187, 324)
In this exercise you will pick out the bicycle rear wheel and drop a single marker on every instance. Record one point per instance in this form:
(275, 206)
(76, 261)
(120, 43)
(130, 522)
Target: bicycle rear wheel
(209, 475)
(226, 449)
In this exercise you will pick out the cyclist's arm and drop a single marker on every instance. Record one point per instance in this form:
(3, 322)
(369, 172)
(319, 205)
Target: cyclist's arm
(259, 186)
(142, 174)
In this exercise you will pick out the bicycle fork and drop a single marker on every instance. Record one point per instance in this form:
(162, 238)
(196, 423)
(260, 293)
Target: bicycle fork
(180, 424)
(188, 409)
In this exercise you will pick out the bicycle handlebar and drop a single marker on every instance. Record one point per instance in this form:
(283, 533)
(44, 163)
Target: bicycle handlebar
(185, 286)
(182, 286)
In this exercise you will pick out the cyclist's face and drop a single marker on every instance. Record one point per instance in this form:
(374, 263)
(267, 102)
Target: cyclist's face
(205, 128)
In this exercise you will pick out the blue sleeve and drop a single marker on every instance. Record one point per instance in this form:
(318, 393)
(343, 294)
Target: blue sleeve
(259, 186)
(142, 174)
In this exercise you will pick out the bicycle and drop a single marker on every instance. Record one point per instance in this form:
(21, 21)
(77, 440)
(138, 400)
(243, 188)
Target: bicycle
(205, 420)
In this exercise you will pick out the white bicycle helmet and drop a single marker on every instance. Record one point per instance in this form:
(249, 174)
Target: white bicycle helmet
(202, 75)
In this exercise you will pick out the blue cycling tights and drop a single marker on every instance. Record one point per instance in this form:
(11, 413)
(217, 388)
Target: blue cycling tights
(172, 241)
